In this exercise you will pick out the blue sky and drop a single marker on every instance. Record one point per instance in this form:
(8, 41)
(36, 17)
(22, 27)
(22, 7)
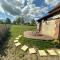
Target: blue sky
(26, 8)
(40, 3)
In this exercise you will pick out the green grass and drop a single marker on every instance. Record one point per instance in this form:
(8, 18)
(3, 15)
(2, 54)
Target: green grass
(19, 29)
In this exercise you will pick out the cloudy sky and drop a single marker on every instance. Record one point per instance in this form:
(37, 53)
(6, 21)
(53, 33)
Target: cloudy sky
(29, 9)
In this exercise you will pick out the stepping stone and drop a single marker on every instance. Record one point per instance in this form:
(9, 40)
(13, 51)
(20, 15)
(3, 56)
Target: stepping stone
(42, 53)
(58, 51)
(17, 44)
(32, 50)
(24, 48)
(15, 41)
(51, 52)
(20, 36)
(17, 38)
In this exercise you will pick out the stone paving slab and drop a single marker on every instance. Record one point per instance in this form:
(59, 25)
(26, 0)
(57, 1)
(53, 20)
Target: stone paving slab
(42, 53)
(58, 51)
(15, 41)
(52, 52)
(20, 36)
(17, 44)
(32, 50)
(17, 38)
(24, 48)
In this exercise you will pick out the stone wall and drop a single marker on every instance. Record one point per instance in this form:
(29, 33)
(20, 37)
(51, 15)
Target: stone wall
(51, 28)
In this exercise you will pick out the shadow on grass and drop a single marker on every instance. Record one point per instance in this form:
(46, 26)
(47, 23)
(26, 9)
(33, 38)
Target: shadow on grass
(40, 44)
(3, 44)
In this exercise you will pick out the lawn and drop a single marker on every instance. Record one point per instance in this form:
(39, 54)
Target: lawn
(10, 52)
(19, 29)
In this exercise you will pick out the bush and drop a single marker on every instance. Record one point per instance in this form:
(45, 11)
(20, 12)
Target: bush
(4, 33)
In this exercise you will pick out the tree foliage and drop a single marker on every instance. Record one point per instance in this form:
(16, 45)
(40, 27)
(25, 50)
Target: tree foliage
(33, 22)
(19, 20)
(8, 21)
(1, 22)
(14, 22)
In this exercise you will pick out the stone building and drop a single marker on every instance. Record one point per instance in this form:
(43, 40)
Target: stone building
(50, 24)
(48, 27)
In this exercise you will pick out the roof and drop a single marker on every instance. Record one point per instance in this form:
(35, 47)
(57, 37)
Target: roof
(53, 12)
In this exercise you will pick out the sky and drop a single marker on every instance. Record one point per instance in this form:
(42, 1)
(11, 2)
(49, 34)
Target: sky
(28, 9)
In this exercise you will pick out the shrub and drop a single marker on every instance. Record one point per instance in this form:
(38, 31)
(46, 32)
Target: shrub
(4, 33)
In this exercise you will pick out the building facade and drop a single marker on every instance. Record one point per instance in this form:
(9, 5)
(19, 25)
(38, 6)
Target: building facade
(50, 25)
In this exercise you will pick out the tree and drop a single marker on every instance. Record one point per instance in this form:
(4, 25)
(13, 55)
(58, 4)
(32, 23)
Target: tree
(14, 22)
(22, 20)
(8, 21)
(1, 22)
(19, 20)
(33, 22)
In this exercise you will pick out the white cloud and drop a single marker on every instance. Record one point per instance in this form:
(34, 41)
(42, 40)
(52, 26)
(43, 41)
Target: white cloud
(30, 1)
(22, 1)
(18, 7)
(52, 2)
(49, 1)
(45, 9)
(1, 9)
(55, 2)
(25, 10)
(38, 11)
(18, 0)
(36, 18)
